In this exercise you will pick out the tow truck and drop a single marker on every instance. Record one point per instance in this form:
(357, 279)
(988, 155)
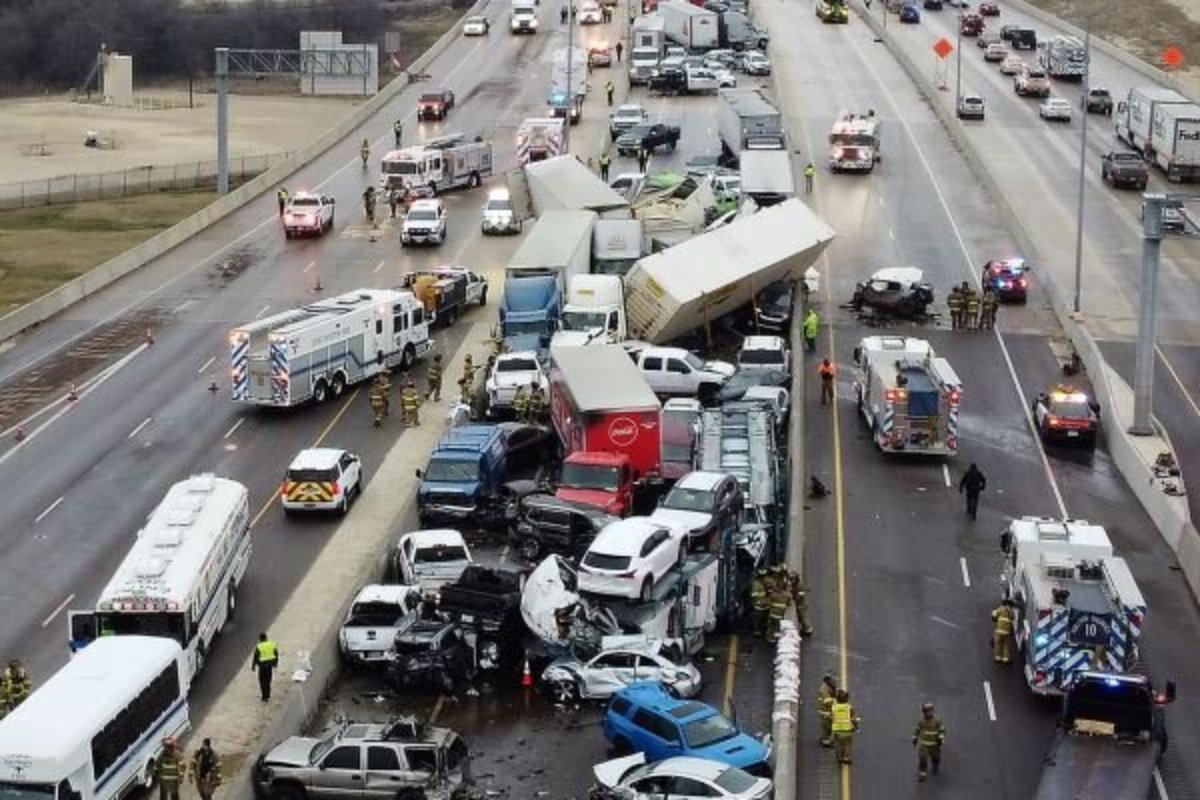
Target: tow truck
(1066, 414)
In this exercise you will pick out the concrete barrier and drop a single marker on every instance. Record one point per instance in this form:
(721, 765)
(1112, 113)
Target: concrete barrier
(97, 278)
(1170, 514)
(1152, 72)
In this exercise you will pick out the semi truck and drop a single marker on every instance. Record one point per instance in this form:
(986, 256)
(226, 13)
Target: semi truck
(316, 351)
(539, 138)
(766, 176)
(748, 120)
(608, 420)
(1077, 605)
(647, 40)
(694, 283)
(908, 395)
(563, 183)
(1111, 737)
(465, 478)
(1175, 140)
(529, 312)
(739, 33)
(1135, 114)
(560, 245)
(1063, 57)
(448, 162)
(616, 245)
(691, 26)
(594, 312)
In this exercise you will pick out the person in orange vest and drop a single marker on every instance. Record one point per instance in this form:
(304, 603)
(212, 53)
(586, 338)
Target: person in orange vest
(827, 372)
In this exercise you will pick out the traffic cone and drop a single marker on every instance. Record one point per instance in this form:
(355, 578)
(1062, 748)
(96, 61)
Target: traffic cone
(212, 386)
(317, 287)
(20, 436)
(72, 394)
(526, 676)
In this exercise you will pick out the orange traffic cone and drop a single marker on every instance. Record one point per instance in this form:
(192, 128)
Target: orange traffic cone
(526, 676)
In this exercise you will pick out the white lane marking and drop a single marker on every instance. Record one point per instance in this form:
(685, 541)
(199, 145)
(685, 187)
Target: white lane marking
(49, 508)
(987, 695)
(138, 429)
(944, 621)
(233, 430)
(973, 276)
(891, 234)
(946, 476)
(378, 266)
(1175, 375)
(962, 561)
(262, 311)
(58, 610)
(1158, 785)
(311, 264)
(206, 365)
(68, 405)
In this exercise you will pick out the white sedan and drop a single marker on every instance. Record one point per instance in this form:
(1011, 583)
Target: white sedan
(683, 777)
(476, 26)
(630, 556)
(1011, 65)
(618, 665)
(1055, 108)
(756, 63)
(307, 213)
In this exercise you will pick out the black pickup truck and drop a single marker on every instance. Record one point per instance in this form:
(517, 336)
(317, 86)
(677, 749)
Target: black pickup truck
(1124, 169)
(485, 603)
(647, 137)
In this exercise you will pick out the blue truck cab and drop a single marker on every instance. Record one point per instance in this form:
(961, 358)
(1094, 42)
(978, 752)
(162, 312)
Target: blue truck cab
(465, 476)
(529, 312)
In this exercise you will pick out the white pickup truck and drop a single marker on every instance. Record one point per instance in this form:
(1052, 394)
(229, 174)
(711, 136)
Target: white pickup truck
(676, 371)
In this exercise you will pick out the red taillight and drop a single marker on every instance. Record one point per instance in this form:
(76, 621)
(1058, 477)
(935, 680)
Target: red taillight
(337, 488)
(1039, 676)
(1053, 422)
(893, 395)
(1022, 282)
(954, 396)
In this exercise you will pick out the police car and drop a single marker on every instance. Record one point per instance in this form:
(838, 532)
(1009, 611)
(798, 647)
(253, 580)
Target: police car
(1066, 414)
(321, 479)
(308, 213)
(1008, 278)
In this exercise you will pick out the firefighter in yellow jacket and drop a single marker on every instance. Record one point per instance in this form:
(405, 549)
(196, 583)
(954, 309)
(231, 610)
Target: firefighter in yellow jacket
(928, 736)
(844, 722)
(1002, 632)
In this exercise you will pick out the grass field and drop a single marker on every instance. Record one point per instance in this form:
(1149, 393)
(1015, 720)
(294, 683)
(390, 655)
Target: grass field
(43, 248)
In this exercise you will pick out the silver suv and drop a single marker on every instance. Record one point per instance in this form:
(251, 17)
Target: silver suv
(384, 760)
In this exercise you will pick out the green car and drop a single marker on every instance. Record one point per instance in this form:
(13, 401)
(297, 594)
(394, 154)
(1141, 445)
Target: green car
(833, 12)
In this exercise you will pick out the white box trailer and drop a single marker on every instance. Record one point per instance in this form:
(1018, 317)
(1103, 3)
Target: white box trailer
(767, 176)
(677, 290)
(563, 183)
(691, 26)
(1136, 112)
(560, 244)
(316, 351)
(748, 120)
(1175, 139)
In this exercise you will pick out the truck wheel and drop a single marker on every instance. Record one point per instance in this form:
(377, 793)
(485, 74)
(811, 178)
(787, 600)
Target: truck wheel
(407, 357)
(451, 316)
(531, 548)
(483, 296)
(339, 385)
(320, 391)
(473, 181)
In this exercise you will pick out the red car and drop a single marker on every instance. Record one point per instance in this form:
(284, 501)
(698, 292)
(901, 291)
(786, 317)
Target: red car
(972, 25)
(989, 10)
(435, 105)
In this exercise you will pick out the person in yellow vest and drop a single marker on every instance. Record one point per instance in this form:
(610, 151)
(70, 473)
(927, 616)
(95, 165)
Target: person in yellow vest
(809, 173)
(15, 685)
(1002, 632)
(987, 310)
(954, 302)
(265, 660)
(434, 377)
(520, 404)
(168, 771)
(928, 736)
(844, 722)
(410, 404)
(972, 308)
(605, 161)
(537, 402)
(206, 770)
(826, 694)
(282, 197)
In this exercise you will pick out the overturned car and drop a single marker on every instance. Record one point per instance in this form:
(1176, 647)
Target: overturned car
(894, 292)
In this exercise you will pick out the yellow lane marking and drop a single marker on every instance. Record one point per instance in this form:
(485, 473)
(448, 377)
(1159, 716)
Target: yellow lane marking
(270, 501)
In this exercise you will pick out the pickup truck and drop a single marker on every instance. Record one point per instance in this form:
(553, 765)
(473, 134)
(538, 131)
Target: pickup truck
(1124, 169)
(676, 371)
(647, 137)
(435, 105)
(625, 117)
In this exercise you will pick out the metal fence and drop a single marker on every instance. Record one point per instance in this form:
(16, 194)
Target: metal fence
(136, 180)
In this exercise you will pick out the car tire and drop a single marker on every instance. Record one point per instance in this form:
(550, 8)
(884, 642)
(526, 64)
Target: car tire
(531, 549)
(287, 791)
(647, 590)
(565, 692)
(483, 296)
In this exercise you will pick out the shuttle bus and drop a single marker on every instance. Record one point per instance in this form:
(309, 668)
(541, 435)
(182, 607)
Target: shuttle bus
(181, 576)
(95, 729)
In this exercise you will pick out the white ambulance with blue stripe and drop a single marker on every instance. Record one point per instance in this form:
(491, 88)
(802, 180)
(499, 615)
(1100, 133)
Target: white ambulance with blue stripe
(315, 352)
(1078, 607)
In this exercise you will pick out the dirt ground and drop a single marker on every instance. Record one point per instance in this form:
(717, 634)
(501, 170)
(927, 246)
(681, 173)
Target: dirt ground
(1144, 28)
(41, 248)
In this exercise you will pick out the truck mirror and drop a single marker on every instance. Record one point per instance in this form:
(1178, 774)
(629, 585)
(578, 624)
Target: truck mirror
(419, 474)
(1006, 541)
(332, 201)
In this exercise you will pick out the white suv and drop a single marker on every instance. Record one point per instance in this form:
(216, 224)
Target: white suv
(321, 479)
(424, 224)
(630, 556)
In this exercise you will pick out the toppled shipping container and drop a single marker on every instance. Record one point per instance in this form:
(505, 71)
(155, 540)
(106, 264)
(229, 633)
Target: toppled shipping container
(680, 289)
(564, 183)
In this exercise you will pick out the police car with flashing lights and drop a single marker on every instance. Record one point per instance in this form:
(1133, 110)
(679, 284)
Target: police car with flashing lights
(1066, 414)
(1008, 278)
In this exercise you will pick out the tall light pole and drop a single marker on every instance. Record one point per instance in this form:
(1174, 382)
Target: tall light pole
(958, 61)
(1087, 76)
(1143, 367)
(570, 64)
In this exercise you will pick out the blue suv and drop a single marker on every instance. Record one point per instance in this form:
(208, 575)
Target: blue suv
(644, 717)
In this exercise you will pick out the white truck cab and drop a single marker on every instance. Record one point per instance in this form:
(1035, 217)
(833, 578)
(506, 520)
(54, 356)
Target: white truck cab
(594, 313)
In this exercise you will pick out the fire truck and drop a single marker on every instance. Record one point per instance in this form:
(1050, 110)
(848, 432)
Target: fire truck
(448, 162)
(539, 138)
(854, 143)
(909, 396)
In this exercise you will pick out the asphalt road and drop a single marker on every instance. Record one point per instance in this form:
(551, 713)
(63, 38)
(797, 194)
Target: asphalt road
(902, 582)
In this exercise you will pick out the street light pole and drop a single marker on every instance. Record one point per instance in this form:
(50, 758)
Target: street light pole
(570, 64)
(1087, 77)
(1143, 367)
(958, 61)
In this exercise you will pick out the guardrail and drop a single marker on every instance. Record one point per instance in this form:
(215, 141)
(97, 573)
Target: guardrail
(92, 281)
(1170, 514)
(135, 180)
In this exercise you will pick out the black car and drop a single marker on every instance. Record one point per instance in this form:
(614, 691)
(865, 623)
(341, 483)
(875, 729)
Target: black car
(546, 524)
(933, 5)
(735, 388)
(647, 137)
(668, 80)
(430, 652)
(1008, 278)
(773, 306)
(899, 292)
(528, 446)
(1066, 414)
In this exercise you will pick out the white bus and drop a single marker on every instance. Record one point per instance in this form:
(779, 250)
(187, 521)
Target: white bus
(96, 727)
(181, 576)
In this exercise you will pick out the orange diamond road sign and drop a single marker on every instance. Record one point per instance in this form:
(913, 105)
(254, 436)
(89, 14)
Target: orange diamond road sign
(943, 47)
(1172, 57)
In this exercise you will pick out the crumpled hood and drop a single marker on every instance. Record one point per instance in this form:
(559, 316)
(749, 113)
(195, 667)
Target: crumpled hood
(292, 752)
(544, 593)
(723, 368)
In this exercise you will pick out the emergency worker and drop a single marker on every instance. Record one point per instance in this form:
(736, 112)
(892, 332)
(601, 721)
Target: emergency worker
(972, 308)
(537, 402)
(605, 161)
(844, 722)
(410, 404)
(827, 372)
(15, 685)
(379, 402)
(168, 771)
(778, 600)
(800, 599)
(1002, 632)
(434, 378)
(928, 736)
(520, 404)
(826, 695)
(206, 770)
(955, 302)
(812, 322)
(987, 309)
(759, 602)
(281, 196)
